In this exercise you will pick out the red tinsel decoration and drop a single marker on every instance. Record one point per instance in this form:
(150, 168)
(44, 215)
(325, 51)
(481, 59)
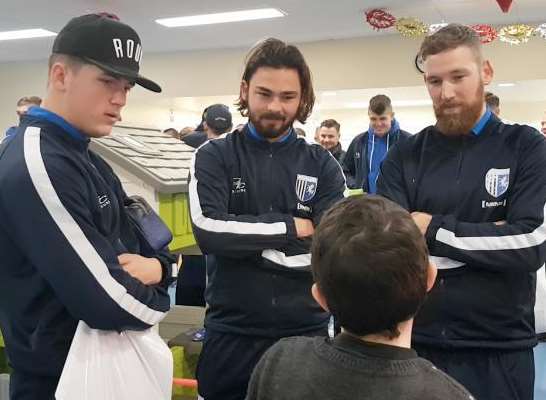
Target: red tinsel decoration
(380, 19)
(485, 32)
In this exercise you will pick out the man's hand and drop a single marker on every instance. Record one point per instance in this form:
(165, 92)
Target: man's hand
(304, 227)
(422, 220)
(146, 270)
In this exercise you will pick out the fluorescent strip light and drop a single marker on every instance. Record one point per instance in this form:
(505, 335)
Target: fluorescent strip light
(508, 84)
(220, 18)
(25, 34)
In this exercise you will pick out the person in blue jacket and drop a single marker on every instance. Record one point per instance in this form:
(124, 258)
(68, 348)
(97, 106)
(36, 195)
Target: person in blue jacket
(255, 197)
(476, 187)
(368, 149)
(23, 104)
(69, 251)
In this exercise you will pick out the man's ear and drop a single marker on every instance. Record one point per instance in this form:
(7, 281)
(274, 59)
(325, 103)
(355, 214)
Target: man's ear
(319, 297)
(487, 72)
(58, 76)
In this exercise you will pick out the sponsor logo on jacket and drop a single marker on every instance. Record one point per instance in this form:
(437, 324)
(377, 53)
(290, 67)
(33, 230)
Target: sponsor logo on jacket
(103, 200)
(238, 186)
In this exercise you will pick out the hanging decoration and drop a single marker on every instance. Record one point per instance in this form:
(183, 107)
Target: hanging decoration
(485, 32)
(505, 5)
(541, 31)
(410, 27)
(432, 29)
(516, 34)
(380, 19)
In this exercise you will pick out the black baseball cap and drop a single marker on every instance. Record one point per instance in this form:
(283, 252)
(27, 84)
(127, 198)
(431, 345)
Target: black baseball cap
(218, 117)
(107, 43)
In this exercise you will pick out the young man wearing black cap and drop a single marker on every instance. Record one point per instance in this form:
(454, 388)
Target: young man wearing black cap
(68, 250)
(255, 197)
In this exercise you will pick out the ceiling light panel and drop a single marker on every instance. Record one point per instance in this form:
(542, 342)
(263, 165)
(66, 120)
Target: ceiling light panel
(220, 18)
(25, 34)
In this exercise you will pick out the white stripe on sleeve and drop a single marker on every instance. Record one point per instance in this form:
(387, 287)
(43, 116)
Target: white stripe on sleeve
(445, 263)
(278, 257)
(487, 243)
(222, 226)
(75, 236)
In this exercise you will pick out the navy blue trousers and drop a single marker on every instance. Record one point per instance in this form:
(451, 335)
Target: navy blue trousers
(227, 361)
(487, 374)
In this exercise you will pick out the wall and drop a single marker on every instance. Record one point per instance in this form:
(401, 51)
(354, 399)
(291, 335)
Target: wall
(385, 61)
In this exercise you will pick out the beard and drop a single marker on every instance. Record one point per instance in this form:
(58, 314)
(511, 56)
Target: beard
(266, 123)
(460, 123)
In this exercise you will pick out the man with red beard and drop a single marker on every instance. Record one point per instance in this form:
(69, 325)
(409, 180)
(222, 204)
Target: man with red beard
(255, 198)
(476, 188)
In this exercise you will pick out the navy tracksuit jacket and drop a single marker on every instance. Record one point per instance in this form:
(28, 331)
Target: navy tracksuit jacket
(484, 295)
(62, 227)
(244, 194)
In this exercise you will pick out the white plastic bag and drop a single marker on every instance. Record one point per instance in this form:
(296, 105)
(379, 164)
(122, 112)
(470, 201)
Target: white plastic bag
(107, 365)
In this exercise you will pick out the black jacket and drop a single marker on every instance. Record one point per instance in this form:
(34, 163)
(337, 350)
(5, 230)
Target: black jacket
(357, 153)
(338, 153)
(485, 291)
(244, 194)
(195, 139)
(63, 226)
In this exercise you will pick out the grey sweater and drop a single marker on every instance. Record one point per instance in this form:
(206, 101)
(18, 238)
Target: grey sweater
(299, 368)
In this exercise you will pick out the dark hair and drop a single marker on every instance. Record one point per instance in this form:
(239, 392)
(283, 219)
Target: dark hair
(450, 37)
(29, 100)
(330, 123)
(276, 54)
(73, 62)
(370, 262)
(172, 132)
(492, 100)
(379, 104)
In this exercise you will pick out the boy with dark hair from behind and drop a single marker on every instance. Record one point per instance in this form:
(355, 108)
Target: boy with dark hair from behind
(371, 270)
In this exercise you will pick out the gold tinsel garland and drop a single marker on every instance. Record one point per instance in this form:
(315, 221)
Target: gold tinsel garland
(541, 31)
(411, 27)
(516, 34)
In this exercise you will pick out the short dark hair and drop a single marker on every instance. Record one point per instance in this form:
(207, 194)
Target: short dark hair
(379, 104)
(29, 100)
(172, 132)
(450, 37)
(277, 54)
(73, 62)
(492, 100)
(370, 261)
(330, 123)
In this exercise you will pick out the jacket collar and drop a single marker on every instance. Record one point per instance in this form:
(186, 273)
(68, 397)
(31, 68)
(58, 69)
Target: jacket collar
(46, 115)
(348, 342)
(251, 133)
